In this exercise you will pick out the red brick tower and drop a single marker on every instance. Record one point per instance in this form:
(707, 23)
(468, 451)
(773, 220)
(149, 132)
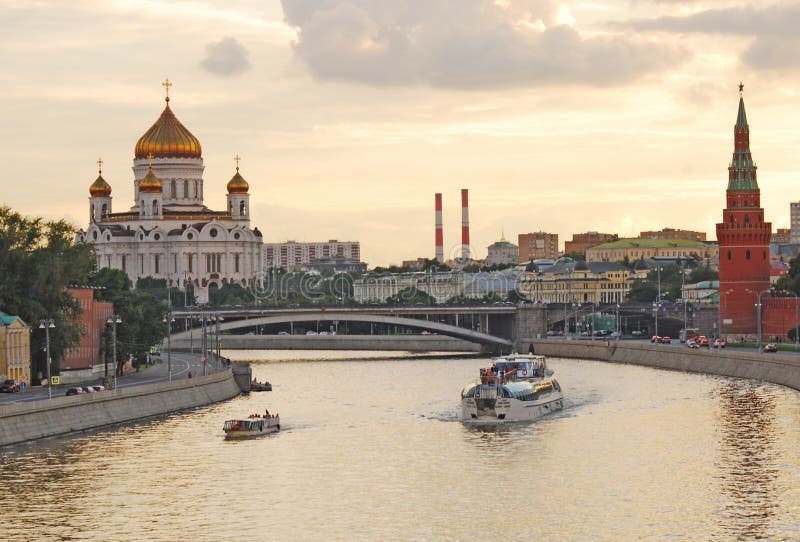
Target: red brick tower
(743, 238)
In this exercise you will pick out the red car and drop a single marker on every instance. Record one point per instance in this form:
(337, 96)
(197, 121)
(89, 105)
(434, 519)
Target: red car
(655, 339)
(702, 340)
(9, 386)
(665, 340)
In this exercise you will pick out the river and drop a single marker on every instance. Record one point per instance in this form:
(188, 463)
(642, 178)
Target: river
(373, 450)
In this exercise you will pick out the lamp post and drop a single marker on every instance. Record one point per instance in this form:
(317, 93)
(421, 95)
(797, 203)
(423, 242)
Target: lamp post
(758, 313)
(658, 299)
(218, 343)
(168, 319)
(114, 319)
(48, 324)
(719, 311)
(568, 298)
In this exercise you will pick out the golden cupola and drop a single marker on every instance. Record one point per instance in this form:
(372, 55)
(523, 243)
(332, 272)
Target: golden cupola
(168, 138)
(237, 184)
(100, 188)
(150, 184)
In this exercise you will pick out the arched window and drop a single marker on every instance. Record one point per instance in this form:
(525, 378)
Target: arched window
(242, 209)
(729, 255)
(104, 210)
(747, 255)
(92, 210)
(747, 219)
(732, 219)
(155, 207)
(173, 188)
(764, 255)
(185, 189)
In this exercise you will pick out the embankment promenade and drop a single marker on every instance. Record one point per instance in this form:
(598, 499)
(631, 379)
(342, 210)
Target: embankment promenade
(774, 368)
(22, 422)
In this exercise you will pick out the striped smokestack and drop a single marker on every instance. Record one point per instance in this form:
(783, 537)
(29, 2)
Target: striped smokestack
(464, 223)
(439, 233)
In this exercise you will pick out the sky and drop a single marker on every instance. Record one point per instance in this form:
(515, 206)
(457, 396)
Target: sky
(559, 116)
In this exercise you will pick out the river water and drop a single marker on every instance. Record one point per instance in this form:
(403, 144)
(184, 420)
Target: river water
(373, 450)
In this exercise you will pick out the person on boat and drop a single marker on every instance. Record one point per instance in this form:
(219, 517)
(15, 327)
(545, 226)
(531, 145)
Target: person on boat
(267, 414)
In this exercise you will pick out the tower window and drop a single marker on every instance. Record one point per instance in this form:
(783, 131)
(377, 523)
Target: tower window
(155, 207)
(185, 189)
(173, 189)
(747, 219)
(747, 255)
(729, 255)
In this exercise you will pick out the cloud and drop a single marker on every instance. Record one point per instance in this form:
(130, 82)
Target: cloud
(226, 57)
(466, 44)
(776, 45)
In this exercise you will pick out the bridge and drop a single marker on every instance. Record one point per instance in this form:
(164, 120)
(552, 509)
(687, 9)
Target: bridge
(501, 327)
(489, 326)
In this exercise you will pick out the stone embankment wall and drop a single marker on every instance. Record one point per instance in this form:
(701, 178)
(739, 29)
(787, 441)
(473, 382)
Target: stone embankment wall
(21, 422)
(775, 368)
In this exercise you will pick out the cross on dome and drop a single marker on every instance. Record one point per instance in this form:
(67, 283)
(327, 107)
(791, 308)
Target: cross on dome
(166, 84)
(100, 165)
(741, 87)
(236, 159)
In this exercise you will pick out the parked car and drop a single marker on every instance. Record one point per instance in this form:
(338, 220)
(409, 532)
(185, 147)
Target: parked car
(636, 332)
(311, 333)
(771, 347)
(665, 340)
(87, 389)
(691, 343)
(655, 339)
(720, 343)
(74, 391)
(9, 386)
(98, 387)
(702, 340)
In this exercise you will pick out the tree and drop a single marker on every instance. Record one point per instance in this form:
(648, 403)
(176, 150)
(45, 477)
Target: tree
(411, 296)
(39, 260)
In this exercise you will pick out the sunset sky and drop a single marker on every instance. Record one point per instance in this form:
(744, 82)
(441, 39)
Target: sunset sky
(561, 116)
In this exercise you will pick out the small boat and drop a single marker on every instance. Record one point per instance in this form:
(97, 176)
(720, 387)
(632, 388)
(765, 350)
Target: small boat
(253, 426)
(515, 388)
(255, 385)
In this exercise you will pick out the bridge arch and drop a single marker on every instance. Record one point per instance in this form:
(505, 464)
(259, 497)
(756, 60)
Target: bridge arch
(425, 325)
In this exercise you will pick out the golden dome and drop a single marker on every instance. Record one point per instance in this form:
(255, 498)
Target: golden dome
(237, 184)
(100, 188)
(150, 184)
(168, 138)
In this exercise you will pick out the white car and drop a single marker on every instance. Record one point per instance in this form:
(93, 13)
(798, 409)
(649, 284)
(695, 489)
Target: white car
(311, 333)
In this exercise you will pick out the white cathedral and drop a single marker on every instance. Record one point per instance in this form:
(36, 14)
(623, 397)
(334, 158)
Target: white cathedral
(169, 233)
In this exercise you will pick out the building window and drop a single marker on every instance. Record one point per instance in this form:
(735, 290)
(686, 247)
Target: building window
(141, 263)
(190, 257)
(173, 188)
(242, 209)
(747, 255)
(157, 262)
(124, 263)
(212, 233)
(729, 255)
(185, 189)
(236, 263)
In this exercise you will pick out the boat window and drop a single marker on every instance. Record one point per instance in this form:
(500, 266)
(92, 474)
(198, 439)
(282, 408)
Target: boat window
(469, 391)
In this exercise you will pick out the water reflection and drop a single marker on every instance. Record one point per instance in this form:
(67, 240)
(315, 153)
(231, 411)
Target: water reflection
(747, 468)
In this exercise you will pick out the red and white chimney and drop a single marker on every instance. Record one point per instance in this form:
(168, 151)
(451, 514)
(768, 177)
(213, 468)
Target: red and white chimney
(465, 224)
(439, 232)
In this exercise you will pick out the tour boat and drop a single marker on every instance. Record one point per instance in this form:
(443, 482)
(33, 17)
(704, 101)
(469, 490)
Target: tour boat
(515, 388)
(253, 426)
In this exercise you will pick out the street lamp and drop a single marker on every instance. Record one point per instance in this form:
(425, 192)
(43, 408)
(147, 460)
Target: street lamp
(658, 299)
(219, 343)
(719, 311)
(758, 311)
(47, 325)
(114, 319)
(168, 320)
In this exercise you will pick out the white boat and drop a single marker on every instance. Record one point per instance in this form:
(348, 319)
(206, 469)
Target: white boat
(515, 388)
(253, 426)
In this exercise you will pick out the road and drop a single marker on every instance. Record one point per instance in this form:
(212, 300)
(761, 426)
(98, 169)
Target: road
(182, 363)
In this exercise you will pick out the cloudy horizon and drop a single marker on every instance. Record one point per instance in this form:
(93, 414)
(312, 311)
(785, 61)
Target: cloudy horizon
(562, 116)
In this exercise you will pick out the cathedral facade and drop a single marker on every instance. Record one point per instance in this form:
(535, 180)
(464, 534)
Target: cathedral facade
(169, 233)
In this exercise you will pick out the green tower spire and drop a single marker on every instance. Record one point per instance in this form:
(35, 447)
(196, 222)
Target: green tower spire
(742, 169)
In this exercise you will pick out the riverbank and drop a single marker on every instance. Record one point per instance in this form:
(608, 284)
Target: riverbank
(774, 368)
(22, 422)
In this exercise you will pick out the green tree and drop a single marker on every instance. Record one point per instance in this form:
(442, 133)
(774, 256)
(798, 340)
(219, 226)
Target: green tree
(39, 260)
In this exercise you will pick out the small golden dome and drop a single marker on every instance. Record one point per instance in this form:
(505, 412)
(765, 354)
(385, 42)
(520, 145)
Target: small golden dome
(237, 184)
(100, 188)
(168, 138)
(150, 184)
